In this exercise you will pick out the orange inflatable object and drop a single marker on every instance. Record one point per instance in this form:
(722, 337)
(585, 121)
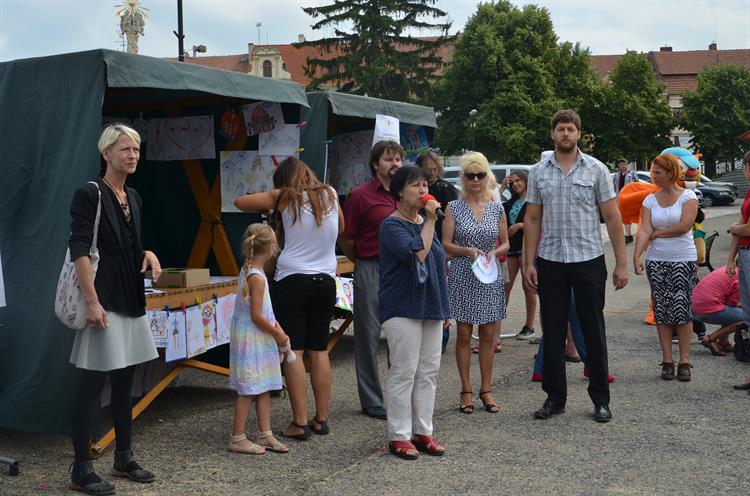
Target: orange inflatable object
(630, 200)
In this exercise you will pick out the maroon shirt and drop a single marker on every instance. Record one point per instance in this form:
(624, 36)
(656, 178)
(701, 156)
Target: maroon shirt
(364, 210)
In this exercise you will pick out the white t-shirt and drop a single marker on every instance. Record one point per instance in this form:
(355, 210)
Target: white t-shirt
(309, 248)
(678, 249)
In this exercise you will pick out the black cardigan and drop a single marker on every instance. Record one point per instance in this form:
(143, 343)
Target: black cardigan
(109, 239)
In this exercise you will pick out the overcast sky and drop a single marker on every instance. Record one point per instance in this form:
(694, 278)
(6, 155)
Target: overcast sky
(31, 28)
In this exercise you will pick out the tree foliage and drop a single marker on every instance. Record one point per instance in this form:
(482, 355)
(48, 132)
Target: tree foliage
(377, 56)
(718, 112)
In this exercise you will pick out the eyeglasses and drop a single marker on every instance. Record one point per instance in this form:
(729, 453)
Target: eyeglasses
(475, 175)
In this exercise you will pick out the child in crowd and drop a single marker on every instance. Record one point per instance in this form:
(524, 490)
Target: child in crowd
(255, 341)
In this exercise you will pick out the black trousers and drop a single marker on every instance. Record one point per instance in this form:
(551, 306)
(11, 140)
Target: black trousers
(587, 279)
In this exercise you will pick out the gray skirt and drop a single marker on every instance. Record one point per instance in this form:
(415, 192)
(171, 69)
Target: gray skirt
(127, 341)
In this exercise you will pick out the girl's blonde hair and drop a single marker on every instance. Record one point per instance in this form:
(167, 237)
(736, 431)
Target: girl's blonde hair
(258, 239)
(477, 162)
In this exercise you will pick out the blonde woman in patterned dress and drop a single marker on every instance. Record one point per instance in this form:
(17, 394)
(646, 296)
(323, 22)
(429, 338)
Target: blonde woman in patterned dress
(474, 225)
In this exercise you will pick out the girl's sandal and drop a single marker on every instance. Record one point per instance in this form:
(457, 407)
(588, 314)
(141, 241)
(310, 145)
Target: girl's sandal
(322, 426)
(276, 446)
(253, 449)
(489, 407)
(467, 408)
(403, 449)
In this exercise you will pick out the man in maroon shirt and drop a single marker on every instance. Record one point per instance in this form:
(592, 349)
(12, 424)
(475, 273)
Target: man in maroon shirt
(364, 210)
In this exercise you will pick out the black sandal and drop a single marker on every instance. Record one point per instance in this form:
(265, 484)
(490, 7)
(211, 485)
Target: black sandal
(322, 428)
(125, 466)
(306, 432)
(468, 408)
(83, 478)
(489, 407)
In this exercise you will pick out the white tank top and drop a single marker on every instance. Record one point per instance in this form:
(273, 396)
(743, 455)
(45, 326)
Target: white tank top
(676, 249)
(309, 248)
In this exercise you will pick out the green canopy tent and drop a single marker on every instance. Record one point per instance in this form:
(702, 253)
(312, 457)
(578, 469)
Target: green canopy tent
(52, 110)
(332, 113)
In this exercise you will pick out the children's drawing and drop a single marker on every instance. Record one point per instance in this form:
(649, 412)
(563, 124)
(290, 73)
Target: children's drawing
(196, 343)
(262, 117)
(414, 142)
(224, 311)
(345, 293)
(159, 322)
(208, 319)
(176, 337)
(283, 140)
(181, 138)
(348, 160)
(243, 172)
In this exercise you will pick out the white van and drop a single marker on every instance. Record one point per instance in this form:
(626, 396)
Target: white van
(452, 174)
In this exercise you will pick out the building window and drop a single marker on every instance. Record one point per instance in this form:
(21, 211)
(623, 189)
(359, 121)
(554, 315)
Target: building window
(267, 69)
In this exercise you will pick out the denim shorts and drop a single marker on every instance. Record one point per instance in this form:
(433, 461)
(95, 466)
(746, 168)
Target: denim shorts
(729, 315)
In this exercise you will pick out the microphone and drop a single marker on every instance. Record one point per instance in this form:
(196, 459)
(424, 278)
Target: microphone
(427, 198)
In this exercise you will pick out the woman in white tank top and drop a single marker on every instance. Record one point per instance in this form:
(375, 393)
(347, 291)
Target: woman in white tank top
(304, 290)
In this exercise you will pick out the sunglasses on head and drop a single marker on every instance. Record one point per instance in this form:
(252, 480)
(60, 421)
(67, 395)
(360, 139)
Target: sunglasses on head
(475, 175)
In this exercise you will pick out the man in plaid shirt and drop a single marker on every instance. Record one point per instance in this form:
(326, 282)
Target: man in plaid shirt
(563, 251)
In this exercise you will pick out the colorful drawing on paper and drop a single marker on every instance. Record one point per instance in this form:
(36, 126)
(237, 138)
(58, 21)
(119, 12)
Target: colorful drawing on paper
(262, 117)
(224, 312)
(208, 320)
(345, 293)
(177, 339)
(158, 321)
(243, 172)
(349, 156)
(414, 141)
(181, 138)
(196, 343)
(283, 140)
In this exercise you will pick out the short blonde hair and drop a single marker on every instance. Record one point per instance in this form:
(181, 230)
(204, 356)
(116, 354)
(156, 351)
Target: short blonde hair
(477, 162)
(112, 132)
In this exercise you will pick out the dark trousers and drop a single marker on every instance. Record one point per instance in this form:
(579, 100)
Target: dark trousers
(587, 279)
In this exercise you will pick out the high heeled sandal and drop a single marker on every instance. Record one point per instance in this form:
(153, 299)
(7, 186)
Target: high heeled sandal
(713, 345)
(254, 449)
(277, 446)
(489, 407)
(467, 408)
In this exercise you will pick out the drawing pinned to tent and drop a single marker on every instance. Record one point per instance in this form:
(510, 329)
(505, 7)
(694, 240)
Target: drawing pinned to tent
(414, 141)
(345, 293)
(196, 343)
(158, 321)
(348, 160)
(224, 312)
(262, 117)
(181, 138)
(386, 128)
(176, 342)
(230, 125)
(243, 172)
(283, 140)
(208, 319)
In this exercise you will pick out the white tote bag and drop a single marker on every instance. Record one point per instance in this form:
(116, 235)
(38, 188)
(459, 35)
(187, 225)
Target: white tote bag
(70, 306)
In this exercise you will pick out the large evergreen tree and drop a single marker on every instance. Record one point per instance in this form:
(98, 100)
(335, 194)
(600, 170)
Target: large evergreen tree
(373, 51)
(718, 112)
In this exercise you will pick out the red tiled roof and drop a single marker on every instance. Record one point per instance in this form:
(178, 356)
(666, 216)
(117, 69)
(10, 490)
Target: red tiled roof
(236, 63)
(693, 61)
(604, 64)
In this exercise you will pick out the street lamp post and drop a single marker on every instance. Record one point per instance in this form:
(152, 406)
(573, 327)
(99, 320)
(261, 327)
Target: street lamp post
(472, 115)
(180, 35)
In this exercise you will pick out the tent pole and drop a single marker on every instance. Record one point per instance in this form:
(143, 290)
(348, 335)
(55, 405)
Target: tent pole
(180, 35)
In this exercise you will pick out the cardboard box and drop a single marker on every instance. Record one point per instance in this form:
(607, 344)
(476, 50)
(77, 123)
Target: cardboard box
(182, 278)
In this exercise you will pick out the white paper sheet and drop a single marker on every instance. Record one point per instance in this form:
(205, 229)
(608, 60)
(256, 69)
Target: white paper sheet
(283, 140)
(176, 342)
(158, 321)
(386, 128)
(181, 138)
(262, 117)
(224, 312)
(348, 161)
(243, 172)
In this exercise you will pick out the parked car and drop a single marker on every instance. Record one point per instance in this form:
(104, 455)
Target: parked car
(713, 195)
(719, 184)
(452, 174)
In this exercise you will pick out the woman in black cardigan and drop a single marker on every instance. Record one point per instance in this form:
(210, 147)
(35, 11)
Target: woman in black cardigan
(117, 336)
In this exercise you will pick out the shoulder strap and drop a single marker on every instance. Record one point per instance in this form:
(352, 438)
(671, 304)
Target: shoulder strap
(98, 215)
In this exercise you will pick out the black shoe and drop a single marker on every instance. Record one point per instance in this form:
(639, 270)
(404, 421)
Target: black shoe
(525, 333)
(125, 466)
(377, 412)
(548, 409)
(602, 414)
(83, 478)
(742, 387)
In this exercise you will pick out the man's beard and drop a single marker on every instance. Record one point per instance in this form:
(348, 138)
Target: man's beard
(565, 147)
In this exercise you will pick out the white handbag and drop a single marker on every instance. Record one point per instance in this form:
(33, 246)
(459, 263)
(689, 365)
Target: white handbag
(70, 305)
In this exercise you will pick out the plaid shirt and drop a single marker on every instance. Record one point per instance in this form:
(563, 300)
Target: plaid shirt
(570, 215)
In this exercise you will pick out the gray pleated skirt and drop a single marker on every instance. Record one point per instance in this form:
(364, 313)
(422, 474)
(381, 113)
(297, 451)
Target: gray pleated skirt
(127, 341)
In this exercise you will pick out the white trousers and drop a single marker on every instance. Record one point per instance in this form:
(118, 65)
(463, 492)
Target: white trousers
(414, 347)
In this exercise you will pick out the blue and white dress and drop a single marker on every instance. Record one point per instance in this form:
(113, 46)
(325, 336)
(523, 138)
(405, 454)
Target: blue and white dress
(253, 355)
(472, 301)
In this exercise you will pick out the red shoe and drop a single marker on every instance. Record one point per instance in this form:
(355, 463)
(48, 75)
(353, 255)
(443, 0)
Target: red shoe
(403, 449)
(428, 444)
(610, 377)
(535, 377)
